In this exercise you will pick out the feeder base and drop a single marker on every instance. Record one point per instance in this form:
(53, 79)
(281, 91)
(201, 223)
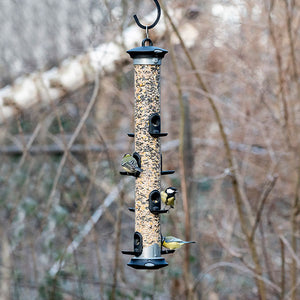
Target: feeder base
(147, 263)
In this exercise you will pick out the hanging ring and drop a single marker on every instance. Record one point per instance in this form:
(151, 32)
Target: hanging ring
(155, 22)
(147, 40)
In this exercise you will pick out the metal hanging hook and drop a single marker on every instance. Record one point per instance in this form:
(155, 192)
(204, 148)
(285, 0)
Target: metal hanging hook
(155, 22)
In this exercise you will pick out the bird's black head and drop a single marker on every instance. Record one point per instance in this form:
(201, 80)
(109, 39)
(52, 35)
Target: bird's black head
(171, 191)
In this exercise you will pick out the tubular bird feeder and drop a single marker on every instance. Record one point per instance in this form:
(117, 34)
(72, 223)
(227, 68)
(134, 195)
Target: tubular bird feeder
(147, 60)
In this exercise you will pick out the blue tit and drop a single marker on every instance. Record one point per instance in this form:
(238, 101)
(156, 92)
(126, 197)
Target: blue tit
(171, 242)
(168, 196)
(130, 164)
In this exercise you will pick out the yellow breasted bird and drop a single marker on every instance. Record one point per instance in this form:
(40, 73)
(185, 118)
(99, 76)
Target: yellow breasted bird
(130, 164)
(172, 243)
(168, 196)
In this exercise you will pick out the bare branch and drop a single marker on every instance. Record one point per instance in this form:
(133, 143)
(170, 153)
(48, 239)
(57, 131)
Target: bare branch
(263, 198)
(87, 227)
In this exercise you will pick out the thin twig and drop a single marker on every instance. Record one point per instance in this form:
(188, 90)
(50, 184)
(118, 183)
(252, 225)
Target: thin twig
(29, 144)
(282, 283)
(231, 251)
(117, 240)
(72, 140)
(87, 227)
(280, 73)
(266, 253)
(263, 198)
(296, 259)
(99, 261)
(234, 266)
(292, 290)
(295, 228)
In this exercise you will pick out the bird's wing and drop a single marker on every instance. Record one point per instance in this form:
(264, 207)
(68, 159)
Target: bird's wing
(163, 196)
(171, 201)
(130, 164)
(172, 239)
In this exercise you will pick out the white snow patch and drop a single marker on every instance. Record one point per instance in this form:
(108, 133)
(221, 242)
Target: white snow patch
(71, 75)
(25, 93)
(190, 34)
(130, 37)
(104, 56)
(228, 13)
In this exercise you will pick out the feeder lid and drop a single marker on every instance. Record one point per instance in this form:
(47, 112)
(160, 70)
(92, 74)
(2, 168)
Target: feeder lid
(147, 51)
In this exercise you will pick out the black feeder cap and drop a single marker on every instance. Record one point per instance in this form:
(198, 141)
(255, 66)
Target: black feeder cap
(147, 55)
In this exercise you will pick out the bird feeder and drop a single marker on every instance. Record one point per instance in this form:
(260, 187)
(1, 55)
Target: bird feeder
(147, 237)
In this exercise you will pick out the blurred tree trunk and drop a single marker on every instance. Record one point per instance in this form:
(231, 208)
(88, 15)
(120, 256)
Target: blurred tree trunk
(5, 268)
(295, 209)
(186, 167)
(117, 245)
(186, 170)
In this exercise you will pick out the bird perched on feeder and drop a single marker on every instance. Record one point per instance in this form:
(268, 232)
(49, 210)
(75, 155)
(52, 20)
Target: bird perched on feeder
(168, 196)
(130, 164)
(172, 243)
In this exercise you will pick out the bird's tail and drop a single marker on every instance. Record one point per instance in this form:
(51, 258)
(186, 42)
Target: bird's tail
(190, 242)
(139, 169)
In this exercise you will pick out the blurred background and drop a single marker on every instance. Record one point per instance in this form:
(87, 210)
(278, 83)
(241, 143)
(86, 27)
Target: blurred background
(230, 102)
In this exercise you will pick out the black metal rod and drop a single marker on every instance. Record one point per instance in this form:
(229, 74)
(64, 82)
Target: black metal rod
(49, 149)
(155, 22)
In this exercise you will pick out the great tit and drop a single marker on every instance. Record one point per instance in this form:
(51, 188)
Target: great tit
(130, 164)
(168, 196)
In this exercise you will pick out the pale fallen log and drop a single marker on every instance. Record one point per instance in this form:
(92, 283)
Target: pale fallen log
(73, 73)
